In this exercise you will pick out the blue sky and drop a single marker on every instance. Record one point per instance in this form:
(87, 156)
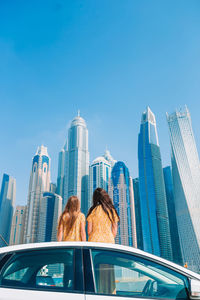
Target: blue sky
(108, 58)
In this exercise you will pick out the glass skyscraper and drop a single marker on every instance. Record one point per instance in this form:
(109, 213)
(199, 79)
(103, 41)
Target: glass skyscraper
(186, 180)
(61, 172)
(136, 192)
(38, 184)
(176, 250)
(7, 202)
(49, 213)
(121, 191)
(77, 163)
(153, 204)
(18, 222)
(100, 171)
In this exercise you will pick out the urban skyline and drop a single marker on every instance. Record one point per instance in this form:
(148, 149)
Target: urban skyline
(110, 59)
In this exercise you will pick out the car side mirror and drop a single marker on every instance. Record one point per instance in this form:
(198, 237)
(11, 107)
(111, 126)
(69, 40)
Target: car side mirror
(194, 289)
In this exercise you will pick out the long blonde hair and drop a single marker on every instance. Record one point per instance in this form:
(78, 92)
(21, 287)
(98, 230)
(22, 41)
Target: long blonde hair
(70, 213)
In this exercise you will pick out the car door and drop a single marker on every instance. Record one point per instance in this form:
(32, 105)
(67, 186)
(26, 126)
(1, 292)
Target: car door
(115, 275)
(43, 274)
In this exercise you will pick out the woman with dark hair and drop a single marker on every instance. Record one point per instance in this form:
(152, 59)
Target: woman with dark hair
(102, 218)
(71, 226)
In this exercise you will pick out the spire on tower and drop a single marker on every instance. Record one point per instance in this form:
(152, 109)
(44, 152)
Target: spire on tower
(78, 113)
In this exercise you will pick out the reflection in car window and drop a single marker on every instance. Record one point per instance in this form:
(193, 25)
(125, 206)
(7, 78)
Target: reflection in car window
(128, 275)
(40, 269)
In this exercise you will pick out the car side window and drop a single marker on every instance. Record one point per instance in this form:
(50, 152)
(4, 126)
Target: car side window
(122, 274)
(45, 269)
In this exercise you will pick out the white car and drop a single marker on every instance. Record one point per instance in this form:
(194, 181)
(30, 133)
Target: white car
(91, 271)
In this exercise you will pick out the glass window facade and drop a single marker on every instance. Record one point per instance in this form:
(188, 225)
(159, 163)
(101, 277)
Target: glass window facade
(153, 205)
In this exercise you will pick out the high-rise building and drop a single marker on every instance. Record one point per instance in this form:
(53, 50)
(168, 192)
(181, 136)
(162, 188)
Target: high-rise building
(121, 191)
(49, 213)
(186, 180)
(38, 184)
(100, 171)
(175, 242)
(77, 163)
(7, 202)
(17, 229)
(136, 192)
(153, 203)
(61, 172)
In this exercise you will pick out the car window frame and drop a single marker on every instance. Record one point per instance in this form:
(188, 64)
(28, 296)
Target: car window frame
(78, 271)
(88, 270)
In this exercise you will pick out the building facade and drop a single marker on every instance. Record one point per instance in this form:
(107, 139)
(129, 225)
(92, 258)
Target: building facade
(61, 172)
(121, 191)
(49, 213)
(18, 226)
(136, 193)
(7, 202)
(186, 180)
(77, 163)
(153, 203)
(175, 241)
(100, 172)
(38, 184)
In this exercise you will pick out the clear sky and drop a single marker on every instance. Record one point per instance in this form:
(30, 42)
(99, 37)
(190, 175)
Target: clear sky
(108, 58)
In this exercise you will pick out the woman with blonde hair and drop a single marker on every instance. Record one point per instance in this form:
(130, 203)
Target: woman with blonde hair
(71, 226)
(102, 218)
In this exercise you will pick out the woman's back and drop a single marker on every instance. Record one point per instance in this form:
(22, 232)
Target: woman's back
(101, 225)
(73, 233)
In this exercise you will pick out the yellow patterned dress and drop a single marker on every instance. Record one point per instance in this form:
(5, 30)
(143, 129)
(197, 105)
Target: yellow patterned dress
(75, 232)
(101, 226)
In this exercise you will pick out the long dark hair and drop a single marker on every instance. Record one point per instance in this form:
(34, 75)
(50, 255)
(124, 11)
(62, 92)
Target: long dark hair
(101, 197)
(70, 213)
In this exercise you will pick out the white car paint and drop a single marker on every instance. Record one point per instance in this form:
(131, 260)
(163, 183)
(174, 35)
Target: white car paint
(20, 294)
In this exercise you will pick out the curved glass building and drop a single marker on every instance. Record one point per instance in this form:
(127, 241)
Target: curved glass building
(153, 204)
(77, 163)
(186, 180)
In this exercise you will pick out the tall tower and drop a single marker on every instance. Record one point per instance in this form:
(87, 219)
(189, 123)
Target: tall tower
(61, 172)
(154, 214)
(136, 193)
(186, 180)
(77, 163)
(100, 171)
(7, 202)
(39, 182)
(49, 213)
(121, 190)
(17, 230)
(175, 241)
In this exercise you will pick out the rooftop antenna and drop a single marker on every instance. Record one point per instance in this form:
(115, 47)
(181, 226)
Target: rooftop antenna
(78, 113)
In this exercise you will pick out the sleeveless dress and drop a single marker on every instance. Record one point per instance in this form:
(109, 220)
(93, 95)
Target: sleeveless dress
(75, 232)
(101, 226)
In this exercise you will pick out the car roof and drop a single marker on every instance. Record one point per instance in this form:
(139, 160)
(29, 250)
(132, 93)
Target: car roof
(34, 246)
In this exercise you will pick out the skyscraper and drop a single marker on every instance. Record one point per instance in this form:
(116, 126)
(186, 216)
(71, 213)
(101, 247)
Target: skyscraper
(7, 202)
(49, 213)
(18, 222)
(77, 163)
(121, 191)
(186, 180)
(153, 204)
(175, 241)
(136, 192)
(38, 184)
(61, 172)
(100, 171)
